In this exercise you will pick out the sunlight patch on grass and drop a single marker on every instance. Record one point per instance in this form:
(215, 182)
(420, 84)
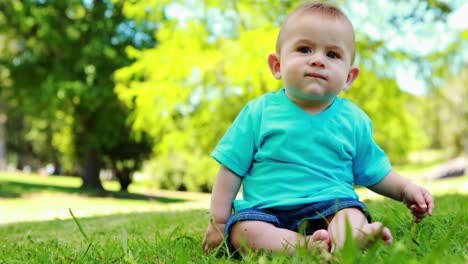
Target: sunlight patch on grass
(36, 198)
(55, 206)
(63, 181)
(52, 197)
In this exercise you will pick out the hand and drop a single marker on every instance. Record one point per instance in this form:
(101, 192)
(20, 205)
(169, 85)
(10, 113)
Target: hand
(213, 237)
(419, 201)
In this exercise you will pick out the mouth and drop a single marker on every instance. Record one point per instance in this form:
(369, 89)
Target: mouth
(316, 75)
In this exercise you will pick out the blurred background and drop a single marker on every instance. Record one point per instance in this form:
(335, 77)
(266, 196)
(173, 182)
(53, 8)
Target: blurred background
(141, 91)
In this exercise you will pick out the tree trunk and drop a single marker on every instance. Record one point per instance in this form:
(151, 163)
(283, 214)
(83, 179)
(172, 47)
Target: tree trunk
(124, 176)
(92, 167)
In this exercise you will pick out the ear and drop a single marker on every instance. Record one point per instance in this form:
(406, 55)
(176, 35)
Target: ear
(352, 75)
(274, 64)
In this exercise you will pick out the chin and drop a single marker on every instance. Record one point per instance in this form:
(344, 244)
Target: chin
(314, 91)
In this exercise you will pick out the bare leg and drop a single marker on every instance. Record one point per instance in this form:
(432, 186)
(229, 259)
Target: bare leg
(256, 235)
(361, 229)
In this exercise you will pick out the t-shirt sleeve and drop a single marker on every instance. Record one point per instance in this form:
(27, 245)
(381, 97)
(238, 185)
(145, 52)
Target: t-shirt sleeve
(371, 164)
(236, 148)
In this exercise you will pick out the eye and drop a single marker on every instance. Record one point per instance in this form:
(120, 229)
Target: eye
(333, 55)
(304, 50)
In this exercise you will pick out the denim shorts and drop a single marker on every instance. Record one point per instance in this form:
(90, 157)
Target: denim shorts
(306, 220)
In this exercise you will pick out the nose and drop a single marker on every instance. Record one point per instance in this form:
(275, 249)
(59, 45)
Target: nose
(317, 60)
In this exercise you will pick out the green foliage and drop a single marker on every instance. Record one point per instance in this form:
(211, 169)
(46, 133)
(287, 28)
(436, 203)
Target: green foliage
(447, 116)
(61, 57)
(183, 103)
(96, 69)
(395, 128)
(179, 170)
(188, 89)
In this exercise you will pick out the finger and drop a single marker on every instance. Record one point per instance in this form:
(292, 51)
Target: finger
(419, 216)
(415, 209)
(420, 200)
(430, 202)
(206, 247)
(418, 213)
(418, 219)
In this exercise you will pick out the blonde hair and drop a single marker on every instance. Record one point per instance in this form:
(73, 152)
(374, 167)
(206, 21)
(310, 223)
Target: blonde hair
(325, 9)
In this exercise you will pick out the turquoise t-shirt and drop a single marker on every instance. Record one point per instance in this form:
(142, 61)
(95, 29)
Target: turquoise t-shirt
(288, 157)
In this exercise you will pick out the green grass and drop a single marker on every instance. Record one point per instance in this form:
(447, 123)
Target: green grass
(31, 197)
(167, 227)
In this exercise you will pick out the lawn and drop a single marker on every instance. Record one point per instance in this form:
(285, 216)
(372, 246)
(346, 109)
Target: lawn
(153, 226)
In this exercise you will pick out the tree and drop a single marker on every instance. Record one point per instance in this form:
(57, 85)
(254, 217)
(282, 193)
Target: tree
(451, 116)
(214, 58)
(61, 56)
(127, 155)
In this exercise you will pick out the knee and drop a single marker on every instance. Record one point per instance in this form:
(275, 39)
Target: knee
(348, 217)
(354, 216)
(351, 212)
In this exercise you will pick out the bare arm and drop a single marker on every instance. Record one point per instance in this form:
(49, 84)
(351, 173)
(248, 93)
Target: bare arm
(225, 189)
(416, 198)
(391, 186)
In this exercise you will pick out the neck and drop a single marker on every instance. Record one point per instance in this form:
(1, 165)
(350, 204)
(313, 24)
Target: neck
(310, 103)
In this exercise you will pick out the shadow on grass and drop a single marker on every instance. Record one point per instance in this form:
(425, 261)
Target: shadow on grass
(12, 189)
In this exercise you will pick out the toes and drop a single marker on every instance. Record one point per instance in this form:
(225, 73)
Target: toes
(321, 235)
(377, 230)
(321, 240)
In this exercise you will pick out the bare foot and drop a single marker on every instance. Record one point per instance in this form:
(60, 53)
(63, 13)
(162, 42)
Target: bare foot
(370, 232)
(320, 240)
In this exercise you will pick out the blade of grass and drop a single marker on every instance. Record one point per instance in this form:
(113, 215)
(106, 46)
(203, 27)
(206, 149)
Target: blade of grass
(223, 244)
(128, 258)
(80, 228)
(83, 233)
(124, 241)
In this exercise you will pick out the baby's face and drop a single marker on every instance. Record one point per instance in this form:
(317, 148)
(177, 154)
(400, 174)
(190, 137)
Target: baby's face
(315, 55)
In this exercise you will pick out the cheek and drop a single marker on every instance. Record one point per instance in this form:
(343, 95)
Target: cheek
(342, 73)
(292, 66)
